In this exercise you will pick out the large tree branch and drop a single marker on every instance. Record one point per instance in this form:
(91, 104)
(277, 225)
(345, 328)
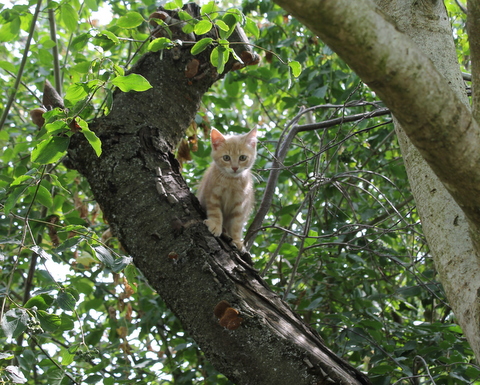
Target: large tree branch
(434, 116)
(136, 181)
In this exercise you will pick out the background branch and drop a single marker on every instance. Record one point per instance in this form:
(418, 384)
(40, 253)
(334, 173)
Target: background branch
(280, 154)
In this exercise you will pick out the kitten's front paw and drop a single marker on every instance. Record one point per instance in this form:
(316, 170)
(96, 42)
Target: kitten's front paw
(214, 227)
(239, 245)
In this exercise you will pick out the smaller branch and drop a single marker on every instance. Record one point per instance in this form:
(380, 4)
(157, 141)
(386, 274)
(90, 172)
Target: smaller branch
(53, 361)
(56, 63)
(301, 249)
(280, 154)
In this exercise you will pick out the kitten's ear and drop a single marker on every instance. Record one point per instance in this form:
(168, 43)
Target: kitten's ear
(252, 138)
(217, 138)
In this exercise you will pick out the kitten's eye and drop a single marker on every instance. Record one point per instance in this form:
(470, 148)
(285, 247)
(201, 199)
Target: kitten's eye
(226, 158)
(242, 158)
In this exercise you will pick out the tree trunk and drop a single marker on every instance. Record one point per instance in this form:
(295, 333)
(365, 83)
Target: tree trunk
(159, 222)
(421, 83)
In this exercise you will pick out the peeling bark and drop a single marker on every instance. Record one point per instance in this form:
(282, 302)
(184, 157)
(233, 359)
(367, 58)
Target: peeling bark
(159, 222)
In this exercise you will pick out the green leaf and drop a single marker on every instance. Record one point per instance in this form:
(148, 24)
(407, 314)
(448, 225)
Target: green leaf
(202, 27)
(66, 301)
(296, 68)
(188, 28)
(50, 150)
(251, 27)
(76, 92)
(7, 66)
(67, 322)
(69, 17)
(221, 24)
(208, 8)
(14, 322)
(130, 20)
(92, 5)
(81, 40)
(131, 82)
(68, 355)
(185, 16)
(22, 178)
(49, 322)
(55, 377)
(41, 302)
(92, 138)
(110, 35)
(160, 43)
(12, 199)
(171, 5)
(44, 196)
(201, 45)
(219, 57)
(9, 31)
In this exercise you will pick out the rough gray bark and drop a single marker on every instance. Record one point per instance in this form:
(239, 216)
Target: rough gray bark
(443, 221)
(421, 84)
(159, 222)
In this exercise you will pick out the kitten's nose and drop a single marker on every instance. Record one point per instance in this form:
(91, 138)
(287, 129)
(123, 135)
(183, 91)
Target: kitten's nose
(234, 169)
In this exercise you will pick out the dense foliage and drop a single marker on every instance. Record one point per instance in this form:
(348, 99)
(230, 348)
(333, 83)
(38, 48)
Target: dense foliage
(341, 241)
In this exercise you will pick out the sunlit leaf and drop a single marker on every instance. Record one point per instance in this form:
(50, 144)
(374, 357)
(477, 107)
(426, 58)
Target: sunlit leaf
(131, 19)
(202, 27)
(201, 45)
(9, 31)
(221, 24)
(110, 35)
(69, 16)
(296, 68)
(7, 66)
(131, 82)
(90, 136)
(252, 28)
(160, 43)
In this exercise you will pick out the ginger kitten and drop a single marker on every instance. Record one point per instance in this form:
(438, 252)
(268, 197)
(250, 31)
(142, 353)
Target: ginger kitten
(226, 189)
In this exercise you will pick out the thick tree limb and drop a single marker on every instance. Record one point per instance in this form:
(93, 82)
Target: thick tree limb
(150, 208)
(434, 116)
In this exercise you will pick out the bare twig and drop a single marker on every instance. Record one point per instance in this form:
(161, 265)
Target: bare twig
(281, 152)
(56, 63)
(306, 230)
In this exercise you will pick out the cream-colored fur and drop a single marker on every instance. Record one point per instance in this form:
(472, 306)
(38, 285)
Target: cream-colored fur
(226, 189)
